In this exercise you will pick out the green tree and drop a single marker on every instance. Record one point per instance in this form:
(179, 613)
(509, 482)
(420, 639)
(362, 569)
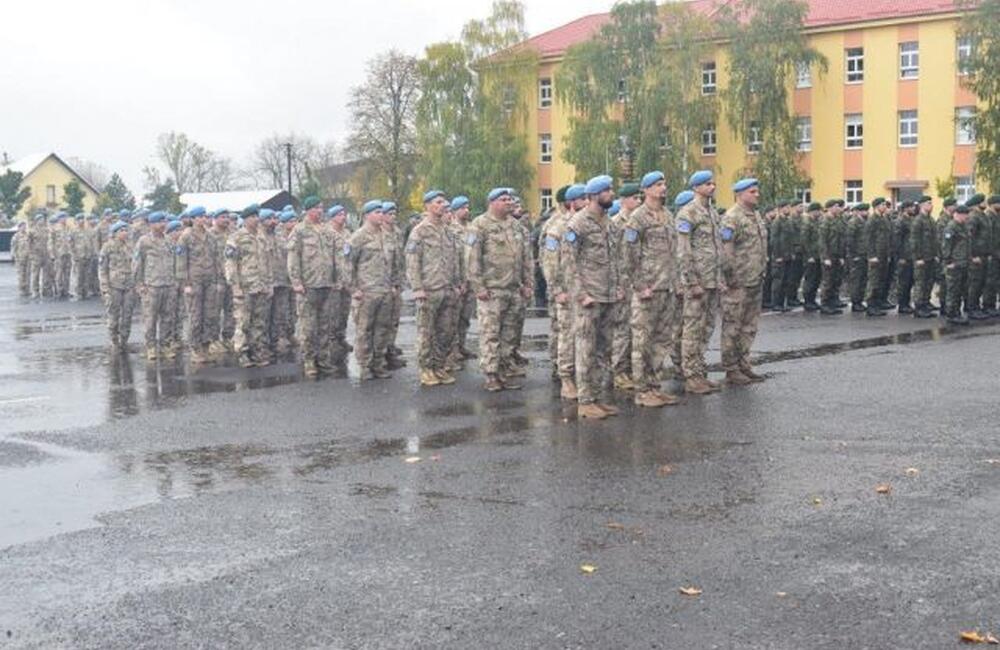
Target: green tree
(115, 196)
(164, 196)
(981, 26)
(766, 46)
(471, 106)
(310, 187)
(12, 195)
(634, 92)
(73, 196)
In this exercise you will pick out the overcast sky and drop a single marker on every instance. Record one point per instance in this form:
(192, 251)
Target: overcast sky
(99, 79)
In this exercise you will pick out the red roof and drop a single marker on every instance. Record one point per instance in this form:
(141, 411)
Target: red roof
(822, 13)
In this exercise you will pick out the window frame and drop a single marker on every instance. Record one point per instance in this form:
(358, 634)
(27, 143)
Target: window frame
(859, 135)
(710, 130)
(804, 195)
(911, 118)
(50, 195)
(545, 93)
(858, 61)
(755, 142)
(803, 75)
(709, 68)
(971, 128)
(545, 148)
(546, 200)
(965, 187)
(854, 186)
(913, 59)
(800, 122)
(963, 52)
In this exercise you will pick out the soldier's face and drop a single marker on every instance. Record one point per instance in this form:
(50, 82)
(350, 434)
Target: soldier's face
(750, 196)
(705, 189)
(657, 190)
(437, 206)
(461, 214)
(122, 235)
(503, 205)
(605, 199)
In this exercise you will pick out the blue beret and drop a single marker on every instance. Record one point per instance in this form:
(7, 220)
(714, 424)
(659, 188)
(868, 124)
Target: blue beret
(266, 213)
(156, 217)
(118, 225)
(388, 206)
(497, 192)
(250, 210)
(371, 206)
(598, 184)
(431, 195)
(124, 213)
(40, 216)
(107, 212)
(683, 198)
(700, 178)
(575, 192)
(196, 211)
(615, 208)
(93, 218)
(80, 216)
(650, 179)
(215, 214)
(287, 216)
(174, 225)
(288, 207)
(745, 184)
(335, 210)
(54, 219)
(459, 202)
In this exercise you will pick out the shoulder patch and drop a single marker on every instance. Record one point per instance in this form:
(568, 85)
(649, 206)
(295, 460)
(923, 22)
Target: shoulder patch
(232, 252)
(180, 249)
(570, 237)
(727, 234)
(471, 239)
(551, 243)
(947, 234)
(684, 226)
(411, 246)
(631, 235)
(346, 250)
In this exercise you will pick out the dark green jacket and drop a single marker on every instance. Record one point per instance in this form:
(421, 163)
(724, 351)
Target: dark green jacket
(924, 238)
(878, 233)
(956, 245)
(856, 241)
(902, 241)
(809, 237)
(832, 237)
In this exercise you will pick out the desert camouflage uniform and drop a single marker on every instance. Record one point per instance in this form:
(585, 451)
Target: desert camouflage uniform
(249, 274)
(371, 255)
(198, 259)
(41, 261)
(553, 266)
(433, 266)
(699, 255)
(153, 271)
(114, 266)
(313, 263)
(20, 248)
(744, 272)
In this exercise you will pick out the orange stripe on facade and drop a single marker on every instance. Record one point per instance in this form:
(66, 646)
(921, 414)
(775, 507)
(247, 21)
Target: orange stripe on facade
(853, 164)
(854, 95)
(906, 163)
(965, 160)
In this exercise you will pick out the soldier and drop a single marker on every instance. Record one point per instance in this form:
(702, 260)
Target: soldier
(117, 282)
(394, 355)
(434, 272)
(498, 260)
(956, 252)
(924, 249)
(95, 239)
(779, 239)
(876, 246)
(832, 250)
(621, 352)
(287, 220)
(223, 320)
(198, 259)
(903, 242)
(79, 257)
(248, 272)
(857, 257)
(61, 250)
(649, 255)
(981, 238)
(992, 290)
(559, 287)
(153, 272)
(176, 305)
(813, 264)
(20, 249)
(744, 246)
(944, 220)
(591, 267)
(313, 267)
(794, 264)
(370, 256)
(518, 361)
(466, 308)
(41, 261)
(340, 295)
(699, 252)
(276, 320)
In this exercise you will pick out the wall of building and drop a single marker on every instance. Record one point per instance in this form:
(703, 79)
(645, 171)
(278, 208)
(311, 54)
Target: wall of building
(52, 173)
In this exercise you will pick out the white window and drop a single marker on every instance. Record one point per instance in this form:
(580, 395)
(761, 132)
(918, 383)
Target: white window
(708, 78)
(909, 60)
(853, 192)
(755, 143)
(509, 99)
(965, 187)
(803, 133)
(545, 93)
(964, 53)
(804, 195)
(803, 75)
(908, 127)
(50, 194)
(547, 201)
(708, 141)
(545, 147)
(855, 65)
(854, 131)
(965, 126)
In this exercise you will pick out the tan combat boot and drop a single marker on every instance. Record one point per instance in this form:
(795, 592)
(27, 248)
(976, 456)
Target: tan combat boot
(309, 369)
(737, 378)
(493, 384)
(609, 409)
(428, 378)
(170, 351)
(568, 390)
(624, 382)
(698, 386)
(151, 353)
(667, 398)
(751, 375)
(591, 412)
(444, 377)
(649, 399)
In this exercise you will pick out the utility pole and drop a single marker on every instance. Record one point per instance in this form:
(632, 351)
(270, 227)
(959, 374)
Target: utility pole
(288, 156)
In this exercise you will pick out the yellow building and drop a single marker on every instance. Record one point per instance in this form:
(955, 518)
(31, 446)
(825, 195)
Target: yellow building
(46, 174)
(888, 118)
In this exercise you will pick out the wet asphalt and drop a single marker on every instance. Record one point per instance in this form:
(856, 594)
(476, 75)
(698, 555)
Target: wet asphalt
(159, 507)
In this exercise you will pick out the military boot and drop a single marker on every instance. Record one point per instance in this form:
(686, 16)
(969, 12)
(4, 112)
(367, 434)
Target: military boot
(874, 311)
(591, 412)
(649, 399)
(309, 369)
(610, 409)
(151, 353)
(429, 378)
(958, 319)
(444, 377)
(667, 398)
(905, 309)
(830, 310)
(812, 306)
(858, 307)
(381, 373)
(467, 354)
(737, 378)
(394, 363)
(197, 357)
(698, 386)
(493, 384)
(624, 382)
(519, 358)
(246, 361)
(568, 390)
(748, 372)
(514, 370)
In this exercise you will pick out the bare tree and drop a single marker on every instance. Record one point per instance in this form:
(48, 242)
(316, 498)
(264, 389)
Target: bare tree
(192, 167)
(269, 163)
(94, 173)
(383, 115)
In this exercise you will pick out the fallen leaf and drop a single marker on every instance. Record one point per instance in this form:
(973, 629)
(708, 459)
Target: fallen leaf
(436, 457)
(412, 459)
(614, 525)
(992, 640)
(912, 471)
(883, 488)
(781, 594)
(972, 637)
(816, 501)
(588, 568)
(691, 591)
(665, 470)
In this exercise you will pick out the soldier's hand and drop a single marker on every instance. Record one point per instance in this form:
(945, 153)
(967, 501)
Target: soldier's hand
(620, 294)
(188, 290)
(298, 288)
(873, 260)
(695, 291)
(842, 261)
(483, 295)
(977, 260)
(779, 260)
(358, 295)
(903, 262)
(812, 260)
(586, 300)
(827, 262)
(420, 295)
(950, 266)
(646, 294)
(919, 263)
